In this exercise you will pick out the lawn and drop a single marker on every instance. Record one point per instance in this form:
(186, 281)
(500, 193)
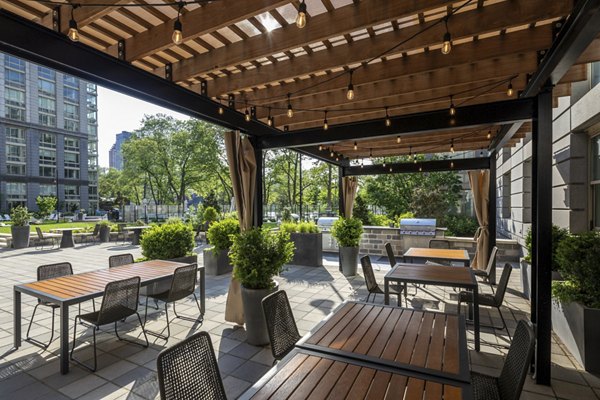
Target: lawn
(53, 225)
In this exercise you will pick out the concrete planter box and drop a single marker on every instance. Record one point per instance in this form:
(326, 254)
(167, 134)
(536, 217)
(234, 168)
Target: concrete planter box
(20, 236)
(526, 279)
(256, 325)
(104, 233)
(309, 249)
(217, 262)
(349, 260)
(579, 329)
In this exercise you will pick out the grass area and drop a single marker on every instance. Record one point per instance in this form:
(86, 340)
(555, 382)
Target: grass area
(53, 225)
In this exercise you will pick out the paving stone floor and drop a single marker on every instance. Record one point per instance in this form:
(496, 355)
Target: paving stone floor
(127, 371)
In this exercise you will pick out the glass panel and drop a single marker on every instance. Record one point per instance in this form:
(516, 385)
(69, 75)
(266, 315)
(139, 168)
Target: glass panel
(71, 81)
(595, 73)
(14, 62)
(71, 94)
(596, 158)
(47, 105)
(46, 87)
(14, 78)
(46, 73)
(48, 140)
(15, 97)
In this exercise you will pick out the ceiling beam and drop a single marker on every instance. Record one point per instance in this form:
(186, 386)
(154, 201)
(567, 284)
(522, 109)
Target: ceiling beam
(82, 15)
(470, 116)
(459, 164)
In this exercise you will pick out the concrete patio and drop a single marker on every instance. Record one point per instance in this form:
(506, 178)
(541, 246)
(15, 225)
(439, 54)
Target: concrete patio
(127, 371)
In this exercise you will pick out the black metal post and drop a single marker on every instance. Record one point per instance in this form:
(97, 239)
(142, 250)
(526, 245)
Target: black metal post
(300, 180)
(341, 192)
(492, 211)
(542, 240)
(258, 189)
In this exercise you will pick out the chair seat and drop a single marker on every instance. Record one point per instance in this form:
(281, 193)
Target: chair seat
(480, 272)
(485, 387)
(163, 296)
(49, 304)
(483, 298)
(118, 314)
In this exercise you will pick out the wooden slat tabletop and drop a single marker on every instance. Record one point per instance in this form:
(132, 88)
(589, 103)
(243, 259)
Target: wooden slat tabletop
(432, 343)
(75, 286)
(446, 254)
(432, 274)
(305, 374)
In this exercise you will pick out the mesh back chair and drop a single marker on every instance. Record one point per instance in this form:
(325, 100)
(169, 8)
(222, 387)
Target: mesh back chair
(189, 370)
(42, 239)
(489, 300)
(390, 253)
(120, 259)
(119, 302)
(439, 244)
(509, 384)
(488, 273)
(48, 272)
(371, 282)
(90, 236)
(283, 332)
(183, 285)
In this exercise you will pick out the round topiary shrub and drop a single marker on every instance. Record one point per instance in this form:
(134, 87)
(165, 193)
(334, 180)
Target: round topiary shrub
(220, 234)
(171, 240)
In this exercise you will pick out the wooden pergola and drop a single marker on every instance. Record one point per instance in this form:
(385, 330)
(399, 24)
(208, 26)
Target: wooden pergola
(244, 64)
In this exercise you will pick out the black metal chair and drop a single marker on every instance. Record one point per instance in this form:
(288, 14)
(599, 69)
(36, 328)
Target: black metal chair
(489, 300)
(90, 236)
(44, 272)
(439, 244)
(120, 259)
(189, 370)
(371, 282)
(119, 302)
(122, 234)
(392, 259)
(42, 239)
(182, 285)
(283, 332)
(509, 384)
(487, 274)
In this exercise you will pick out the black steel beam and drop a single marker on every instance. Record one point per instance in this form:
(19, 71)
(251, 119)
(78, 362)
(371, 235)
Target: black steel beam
(258, 213)
(460, 164)
(38, 44)
(504, 136)
(314, 152)
(542, 241)
(492, 212)
(501, 112)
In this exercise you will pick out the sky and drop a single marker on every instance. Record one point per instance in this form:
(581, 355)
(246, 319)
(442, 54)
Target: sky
(118, 112)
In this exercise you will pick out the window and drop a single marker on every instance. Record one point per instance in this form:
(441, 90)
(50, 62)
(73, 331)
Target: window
(92, 117)
(46, 88)
(14, 104)
(46, 73)
(14, 63)
(71, 173)
(595, 181)
(48, 190)
(595, 73)
(506, 196)
(91, 89)
(48, 140)
(71, 125)
(70, 80)
(49, 172)
(92, 102)
(71, 94)
(47, 119)
(47, 157)
(14, 135)
(47, 105)
(14, 79)
(71, 143)
(72, 160)
(16, 194)
(16, 154)
(71, 111)
(71, 197)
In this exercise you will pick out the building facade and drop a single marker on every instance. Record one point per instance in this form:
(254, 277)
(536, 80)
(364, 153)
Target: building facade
(48, 136)
(115, 155)
(575, 171)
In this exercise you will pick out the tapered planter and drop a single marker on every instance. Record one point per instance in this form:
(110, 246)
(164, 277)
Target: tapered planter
(256, 326)
(578, 327)
(104, 233)
(349, 260)
(309, 249)
(20, 236)
(217, 262)
(526, 279)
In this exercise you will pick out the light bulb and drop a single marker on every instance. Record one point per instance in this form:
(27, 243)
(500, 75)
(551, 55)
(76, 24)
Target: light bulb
(221, 111)
(337, 158)
(290, 111)
(451, 164)
(331, 154)
(355, 146)
(384, 164)
(415, 159)
(390, 169)
(452, 146)
(301, 17)
(447, 45)
(325, 125)
(73, 33)
(270, 121)
(177, 36)
(361, 164)
(420, 168)
(398, 139)
(388, 121)
(452, 109)
(350, 92)
(247, 115)
(489, 135)
(510, 91)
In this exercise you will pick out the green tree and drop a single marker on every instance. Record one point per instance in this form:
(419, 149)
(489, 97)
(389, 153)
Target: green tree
(361, 211)
(46, 204)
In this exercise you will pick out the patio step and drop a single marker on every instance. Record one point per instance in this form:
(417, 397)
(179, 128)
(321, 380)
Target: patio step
(3, 242)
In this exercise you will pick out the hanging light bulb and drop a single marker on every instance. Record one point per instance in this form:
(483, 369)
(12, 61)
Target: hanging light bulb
(415, 159)
(320, 147)
(177, 36)
(420, 168)
(350, 92)
(452, 145)
(337, 158)
(390, 169)
(489, 135)
(290, 111)
(325, 124)
(331, 154)
(451, 164)
(301, 17)
(452, 108)
(73, 33)
(362, 164)
(388, 121)
(398, 139)
(510, 91)
(220, 110)
(269, 119)
(355, 146)
(371, 154)
(247, 115)
(447, 45)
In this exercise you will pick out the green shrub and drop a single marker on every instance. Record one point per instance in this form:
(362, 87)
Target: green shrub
(19, 216)
(286, 215)
(230, 215)
(46, 204)
(380, 220)
(404, 215)
(170, 240)
(210, 215)
(220, 234)
(558, 234)
(347, 231)
(361, 211)
(578, 258)
(300, 227)
(459, 225)
(258, 255)
(288, 227)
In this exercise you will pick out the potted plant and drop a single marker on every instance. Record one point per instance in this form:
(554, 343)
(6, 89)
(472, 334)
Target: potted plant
(257, 256)
(308, 243)
(20, 229)
(558, 234)
(347, 232)
(576, 300)
(104, 231)
(220, 235)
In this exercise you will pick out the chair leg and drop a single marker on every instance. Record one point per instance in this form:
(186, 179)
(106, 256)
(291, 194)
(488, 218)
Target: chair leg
(71, 356)
(504, 323)
(132, 341)
(369, 295)
(191, 319)
(159, 335)
(35, 341)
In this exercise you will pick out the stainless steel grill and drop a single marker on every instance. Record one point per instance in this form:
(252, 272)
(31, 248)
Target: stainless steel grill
(418, 226)
(325, 224)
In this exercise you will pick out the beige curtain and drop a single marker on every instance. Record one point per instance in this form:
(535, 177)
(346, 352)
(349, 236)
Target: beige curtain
(480, 187)
(242, 169)
(349, 187)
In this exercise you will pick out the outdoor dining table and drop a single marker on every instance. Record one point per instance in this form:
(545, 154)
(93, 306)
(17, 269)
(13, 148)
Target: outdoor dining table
(137, 232)
(74, 289)
(438, 275)
(419, 254)
(67, 236)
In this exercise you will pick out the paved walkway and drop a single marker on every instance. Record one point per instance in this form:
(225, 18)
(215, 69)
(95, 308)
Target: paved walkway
(127, 371)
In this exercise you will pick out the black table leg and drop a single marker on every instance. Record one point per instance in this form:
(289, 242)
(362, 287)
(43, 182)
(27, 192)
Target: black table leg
(202, 290)
(67, 240)
(64, 338)
(17, 318)
(476, 317)
(386, 292)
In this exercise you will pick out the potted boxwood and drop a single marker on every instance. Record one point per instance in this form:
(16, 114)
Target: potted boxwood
(576, 300)
(104, 231)
(558, 234)
(220, 235)
(20, 229)
(347, 232)
(308, 242)
(257, 256)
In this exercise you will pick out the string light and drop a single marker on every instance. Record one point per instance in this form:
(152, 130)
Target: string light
(489, 135)
(390, 169)
(510, 91)
(355, 146)
(247, 115)
(177, 36)
(220, 110)
(331, 154)
(398, 139)
(350, 92)
(269, 118)
(362, 163)
(388, 121)
(325, 124)
(447, 45)
(383, 163)
(320, 147)
(290, 111)
(73, 33)
(337, 158)
(452, 108)
(451, 164)
(452, 145)
(415, 159)
(371, 154)
(420, 168)
(301, 17)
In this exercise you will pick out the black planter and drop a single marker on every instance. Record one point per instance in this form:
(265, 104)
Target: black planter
(256, 325)
(309, 249)
(526, 279)
(578, 327)
(104, 233)
(20, 236)
(217, 262)
(349, 260)
(193, 259)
